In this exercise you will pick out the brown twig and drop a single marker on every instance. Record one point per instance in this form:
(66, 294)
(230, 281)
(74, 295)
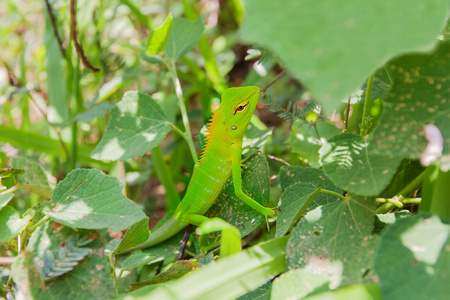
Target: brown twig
(183, 242)
(12, 79)
(347, 112)
(264, 89)
(73, 34)
(55, 30)
(277, 159)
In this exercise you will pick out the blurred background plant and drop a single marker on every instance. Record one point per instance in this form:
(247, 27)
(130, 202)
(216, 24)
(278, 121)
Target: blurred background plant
(347, 104)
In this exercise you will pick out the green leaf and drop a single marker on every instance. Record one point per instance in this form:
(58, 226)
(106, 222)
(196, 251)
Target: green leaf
(293, 203)
(256, 184)
(419, 96)
(11, 224)
(89, 280)
(40, 190)
(91, 199)
(230, 235)
(10, 172)
(232, 276)
(137, 234)
(435, 195)
(45, 144)
(356, 291)
(361, 33)
(261, 293)
(158, 38)
(418, 247)
(58, 112)
(176, 270)
(255, 138)
(34, 174)
(109, 88)
(348, 162)
(135, 260)
(297, 284)
(93, 113)
(304, 140)
(292, 175)
(137, 125)
(382, 221)
(183, 37)
(334, 240)
(4, 199)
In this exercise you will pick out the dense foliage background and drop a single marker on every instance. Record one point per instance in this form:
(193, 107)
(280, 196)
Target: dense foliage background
(103, 113)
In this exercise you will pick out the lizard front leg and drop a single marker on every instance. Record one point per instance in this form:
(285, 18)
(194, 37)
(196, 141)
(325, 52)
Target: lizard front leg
(237, 181)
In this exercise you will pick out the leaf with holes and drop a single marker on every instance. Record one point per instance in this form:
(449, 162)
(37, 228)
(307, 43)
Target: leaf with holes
(335, 240)
(293, 203)
(293, 175)
(419, 248)
(256, 184)
(362, 33)
(137, 125)
(419, 96)
(348, 162)
(90, 199)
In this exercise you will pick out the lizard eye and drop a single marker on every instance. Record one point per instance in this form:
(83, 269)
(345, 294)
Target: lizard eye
(240, 108)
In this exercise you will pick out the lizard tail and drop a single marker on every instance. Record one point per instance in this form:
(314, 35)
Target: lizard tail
(164, 232)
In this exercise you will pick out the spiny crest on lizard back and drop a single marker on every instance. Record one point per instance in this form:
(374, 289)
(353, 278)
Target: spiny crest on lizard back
(212, 124)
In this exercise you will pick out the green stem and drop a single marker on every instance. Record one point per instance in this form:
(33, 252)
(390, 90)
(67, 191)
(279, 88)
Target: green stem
(411, 187)
(41, 221)
(179, 92)
(165, 176)
(332, 193)
(10, 190)
(365, 124)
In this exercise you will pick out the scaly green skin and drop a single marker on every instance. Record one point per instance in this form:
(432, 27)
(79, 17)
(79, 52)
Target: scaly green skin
(220, 157)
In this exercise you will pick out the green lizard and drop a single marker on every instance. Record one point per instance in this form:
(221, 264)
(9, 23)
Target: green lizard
(221, 156)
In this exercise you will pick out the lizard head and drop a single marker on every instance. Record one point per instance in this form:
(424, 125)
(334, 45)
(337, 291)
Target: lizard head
(237, 107)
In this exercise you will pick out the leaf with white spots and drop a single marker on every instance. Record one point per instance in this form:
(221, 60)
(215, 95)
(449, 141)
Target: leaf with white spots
(293, 203)
(335, 240)
(256, 184)
(304, 139)
(90, 199)
(419, 96)
(11, 224)
(137, 125)
(297, 284)
(34, 174)
(348, 162)
(413, 260)
(86, 278)
(292, 175)
(333, 46)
